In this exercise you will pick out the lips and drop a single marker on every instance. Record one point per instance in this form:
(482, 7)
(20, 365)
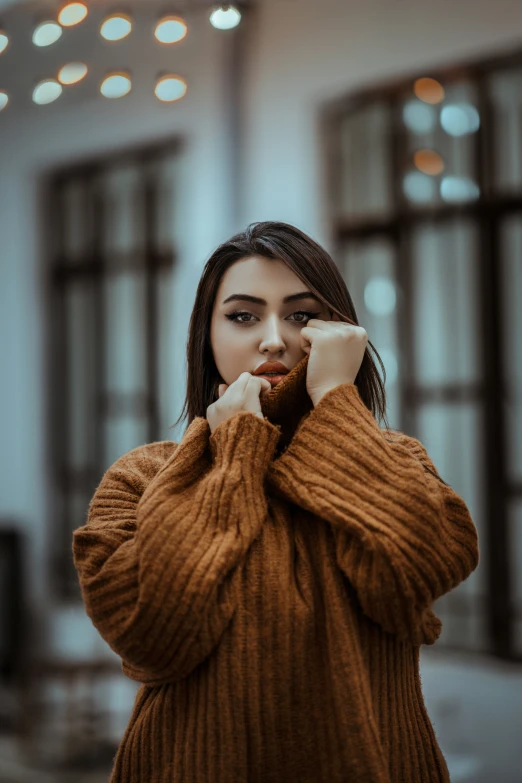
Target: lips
(271, 367)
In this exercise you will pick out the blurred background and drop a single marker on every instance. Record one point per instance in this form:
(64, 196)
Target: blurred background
(134, 138)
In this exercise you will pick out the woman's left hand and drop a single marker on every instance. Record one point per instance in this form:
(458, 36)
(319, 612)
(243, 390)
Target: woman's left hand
(336, 351)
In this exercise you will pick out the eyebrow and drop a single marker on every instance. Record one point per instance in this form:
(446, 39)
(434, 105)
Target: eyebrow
(257, 300)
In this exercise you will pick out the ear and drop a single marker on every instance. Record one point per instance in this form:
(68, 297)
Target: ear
(335, 317)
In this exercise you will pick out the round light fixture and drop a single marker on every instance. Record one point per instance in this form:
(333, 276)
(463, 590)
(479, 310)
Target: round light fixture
(225, 17)
(72, 13)
(116, 85)
(116, 27)
(170, 88)
(4, 99)
(47, 91)
(4, 40)
(47, 33)
(170, 29)
(72, 73)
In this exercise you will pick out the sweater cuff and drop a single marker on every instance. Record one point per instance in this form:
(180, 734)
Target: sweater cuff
(245, 439)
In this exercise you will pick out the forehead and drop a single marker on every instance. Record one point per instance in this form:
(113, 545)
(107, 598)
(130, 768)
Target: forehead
(264, 277)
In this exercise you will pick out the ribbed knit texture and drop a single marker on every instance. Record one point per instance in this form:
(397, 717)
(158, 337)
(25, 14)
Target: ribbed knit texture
(270, 585)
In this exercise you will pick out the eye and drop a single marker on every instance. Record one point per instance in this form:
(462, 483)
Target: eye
(235, 316)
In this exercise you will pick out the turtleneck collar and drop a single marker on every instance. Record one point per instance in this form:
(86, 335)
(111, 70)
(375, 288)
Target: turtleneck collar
(288, 402)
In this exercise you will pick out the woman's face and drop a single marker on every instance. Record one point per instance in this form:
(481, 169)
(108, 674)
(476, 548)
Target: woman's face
(263, 331)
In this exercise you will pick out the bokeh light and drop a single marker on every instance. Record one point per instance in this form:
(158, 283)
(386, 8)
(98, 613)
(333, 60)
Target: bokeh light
(170, 29)
(116, 85)
(72, 73)
(225, 17)
(47, 91)
(429, 162)
(47, 33)
(116, 27)
(72, 13)
(429, 90)
(170, 88)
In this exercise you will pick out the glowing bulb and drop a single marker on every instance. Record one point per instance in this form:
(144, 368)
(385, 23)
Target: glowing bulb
(225, 17)
(47, 33)
(170, 29)
(170, 88)
(4, 99)
(4, 40)
(116, 27)
(116, 85)
(47, 91)
(72, 13)
(72, 73)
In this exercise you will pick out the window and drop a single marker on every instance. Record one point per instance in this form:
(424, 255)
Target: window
(110, 228)
(425, 200)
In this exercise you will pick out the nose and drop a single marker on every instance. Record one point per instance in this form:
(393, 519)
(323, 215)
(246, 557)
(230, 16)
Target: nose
(272, 340)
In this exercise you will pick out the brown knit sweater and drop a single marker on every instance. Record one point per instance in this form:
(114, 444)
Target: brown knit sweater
(273, 604)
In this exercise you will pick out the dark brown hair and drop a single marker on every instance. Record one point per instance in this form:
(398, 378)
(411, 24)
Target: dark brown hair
(314, 266)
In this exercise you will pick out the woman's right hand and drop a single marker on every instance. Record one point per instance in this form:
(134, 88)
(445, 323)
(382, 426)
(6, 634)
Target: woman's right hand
(242, 395)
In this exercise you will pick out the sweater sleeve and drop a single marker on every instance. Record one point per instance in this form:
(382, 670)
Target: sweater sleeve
(403, 537)
(160, 556)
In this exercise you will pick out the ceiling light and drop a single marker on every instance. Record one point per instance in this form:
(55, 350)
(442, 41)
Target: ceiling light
(4, 99)
(429, 90)
(47, 91)
(170, 88)
(116, 85)
(47, 33)
(170, 29)
(72, 13)
(4, 40)
(116, 27)
(72, 73)
(225, 17)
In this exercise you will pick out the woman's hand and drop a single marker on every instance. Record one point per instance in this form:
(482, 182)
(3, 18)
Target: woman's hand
(241, 395)
(336, 350)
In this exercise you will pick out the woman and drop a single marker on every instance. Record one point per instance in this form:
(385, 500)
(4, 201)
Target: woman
(270, 579)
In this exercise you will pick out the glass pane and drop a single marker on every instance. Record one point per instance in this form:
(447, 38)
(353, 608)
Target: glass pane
(441, 147)
(76, 221)
(446, 329)
(505, 90)
(123, 434)
(126, 330)
(452, 436)
(80, 314)
(365, 162)
(170, 389)
(165, 172)
(124, 213)
(511, 239)
(515, 553)
(370, 277)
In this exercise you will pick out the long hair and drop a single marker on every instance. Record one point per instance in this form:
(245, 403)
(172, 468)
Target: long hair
(314, 266)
